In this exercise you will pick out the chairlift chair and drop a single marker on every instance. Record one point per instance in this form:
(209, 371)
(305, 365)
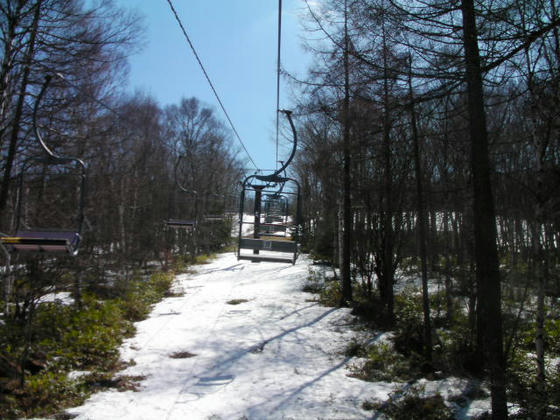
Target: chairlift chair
(276, 214)
(48, 240)
(270, 242)
(263, 247)
(180, 224)
(190, 224)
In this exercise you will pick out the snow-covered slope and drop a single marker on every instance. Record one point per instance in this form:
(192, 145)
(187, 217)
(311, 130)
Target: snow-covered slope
(278, 355)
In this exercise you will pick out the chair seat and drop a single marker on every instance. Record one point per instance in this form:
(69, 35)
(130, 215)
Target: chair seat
(43, 241)
(266, 258)
(288, 250)
(180, 223)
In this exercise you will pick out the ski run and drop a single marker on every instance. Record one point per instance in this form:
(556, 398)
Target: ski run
(242, 341)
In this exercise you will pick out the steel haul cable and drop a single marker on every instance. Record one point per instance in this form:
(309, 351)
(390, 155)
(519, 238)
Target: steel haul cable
(278, 70)
(209, 81)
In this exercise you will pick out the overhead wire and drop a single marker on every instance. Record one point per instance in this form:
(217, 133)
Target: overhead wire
(278, 70)
(178, 19)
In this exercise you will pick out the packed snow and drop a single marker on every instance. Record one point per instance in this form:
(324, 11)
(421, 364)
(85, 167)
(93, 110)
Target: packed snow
(242, 342)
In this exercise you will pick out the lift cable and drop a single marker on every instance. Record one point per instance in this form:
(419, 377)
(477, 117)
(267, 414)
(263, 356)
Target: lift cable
(209, 81)
(278, 71)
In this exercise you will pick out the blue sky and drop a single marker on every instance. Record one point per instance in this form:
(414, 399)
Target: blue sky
(236, 41)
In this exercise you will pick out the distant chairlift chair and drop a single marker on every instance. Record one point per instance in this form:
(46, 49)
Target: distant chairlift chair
(180, 224)
(190, 224)
(184, 224)
(276, 215)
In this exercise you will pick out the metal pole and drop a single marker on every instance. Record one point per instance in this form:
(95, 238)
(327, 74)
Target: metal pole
(257, 226)
(8, 284)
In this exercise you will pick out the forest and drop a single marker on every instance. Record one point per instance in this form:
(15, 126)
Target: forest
(428, 143)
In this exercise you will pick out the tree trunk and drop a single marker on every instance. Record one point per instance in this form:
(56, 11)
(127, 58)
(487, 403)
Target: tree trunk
(340, 243)
(541, 268)
(347, 204)
(448, 283)
(16, 125)
(8, 64)
(421, 208)
(486, 253)
(542, 274)
(387, 205)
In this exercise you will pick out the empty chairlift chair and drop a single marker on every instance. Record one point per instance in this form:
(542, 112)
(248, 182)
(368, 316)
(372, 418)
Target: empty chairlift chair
(273, 244)
(48, 240)
(275, 241)
(180, 224)
(190, 224)
(276, 215)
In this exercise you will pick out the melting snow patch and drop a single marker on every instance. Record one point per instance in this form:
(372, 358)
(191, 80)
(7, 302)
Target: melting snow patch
(76, 374)
(64, 298)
